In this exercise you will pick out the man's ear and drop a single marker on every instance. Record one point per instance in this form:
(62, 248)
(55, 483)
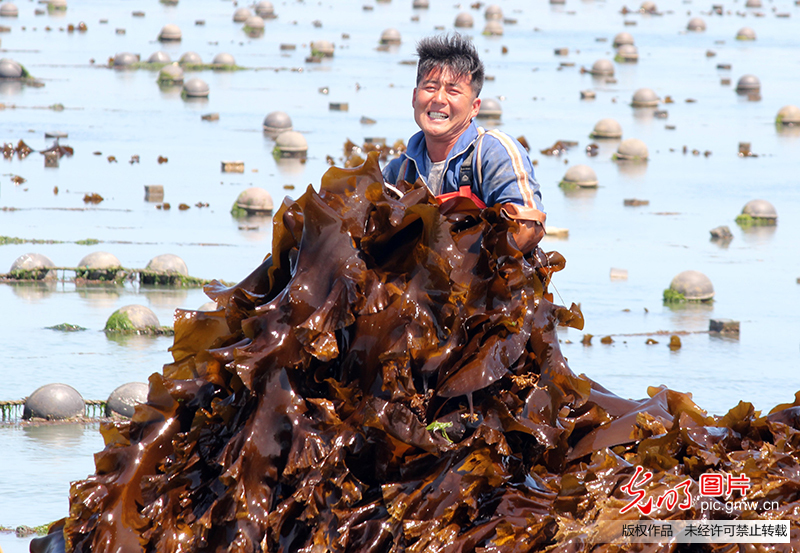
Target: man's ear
(414, 97)
(476, 107)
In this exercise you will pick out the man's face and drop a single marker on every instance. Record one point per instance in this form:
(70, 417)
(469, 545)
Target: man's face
(444, 106)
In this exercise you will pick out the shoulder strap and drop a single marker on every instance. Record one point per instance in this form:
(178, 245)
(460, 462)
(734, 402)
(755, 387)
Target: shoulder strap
(466, 173)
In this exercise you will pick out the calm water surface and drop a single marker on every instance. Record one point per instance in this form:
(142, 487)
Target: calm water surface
(125, 113)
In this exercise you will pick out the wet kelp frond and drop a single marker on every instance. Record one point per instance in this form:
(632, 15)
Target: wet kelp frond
(390, 380)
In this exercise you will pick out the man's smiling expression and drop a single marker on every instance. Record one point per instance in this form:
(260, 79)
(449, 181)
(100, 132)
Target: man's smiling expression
(444, 106)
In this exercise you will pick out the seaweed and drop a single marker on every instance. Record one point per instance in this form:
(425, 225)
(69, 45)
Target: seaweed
(673, 296)
(745, 220)
(66, 327)
(309, 412)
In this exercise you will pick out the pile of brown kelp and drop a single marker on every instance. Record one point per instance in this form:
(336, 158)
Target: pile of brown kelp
(390, 380)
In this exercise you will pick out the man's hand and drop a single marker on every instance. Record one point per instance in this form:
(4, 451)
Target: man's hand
(528, 236)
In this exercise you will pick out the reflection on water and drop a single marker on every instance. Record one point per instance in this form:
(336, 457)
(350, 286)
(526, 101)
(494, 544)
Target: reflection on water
(55, 436)
(644, 114)
(10, 87)
(136, 342)
(290, 166)
(99, 295)
(254, 228)
(790, 132)
(690, 315)
(164, 297)
(33, 291)
(756, 235)
(632, 169)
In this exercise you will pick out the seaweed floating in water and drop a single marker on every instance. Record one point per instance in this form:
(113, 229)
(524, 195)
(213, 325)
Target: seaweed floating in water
(390, 380)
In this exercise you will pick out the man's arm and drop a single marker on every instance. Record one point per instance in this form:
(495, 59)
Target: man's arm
(506, 177)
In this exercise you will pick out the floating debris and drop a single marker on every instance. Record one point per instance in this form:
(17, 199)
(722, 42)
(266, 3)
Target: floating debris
(560, 147)
(721, 233)
(723, 326)
(92, 198)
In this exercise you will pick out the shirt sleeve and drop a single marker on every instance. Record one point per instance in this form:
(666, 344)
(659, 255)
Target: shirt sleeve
(506, 173)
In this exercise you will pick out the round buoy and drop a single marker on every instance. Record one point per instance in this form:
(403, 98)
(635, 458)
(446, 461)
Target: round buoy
(7, 9)
(632, 149)
(124, 399)
(57, 5)
(490, 109)
(748, 83)
(277, 122)
(607, 128)
(132, 318)
(464, 20)
(602, 68)
(125, 59)
(98, 266)
(627, 52)
(760, 209)
(580, 175)
(622, 38)
(54, 402)
(644, 98)
(170, 74)
(752, 4)
(648, 7)
(494, 12)
(746, 33)
(696, 24)
(170, 33)
(694, 285)
(420, 4)
(788, 115)
(265, 9)
(255, 201)
(390, 36)
(168, 264)
(196, 88)
(254, 25)
(291, 144)
(224, 59)
(159, 57)
(9, 69)
(191, 58)
(32, 266)
(241, 15)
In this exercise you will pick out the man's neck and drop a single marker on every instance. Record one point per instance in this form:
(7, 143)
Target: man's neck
(437, 151)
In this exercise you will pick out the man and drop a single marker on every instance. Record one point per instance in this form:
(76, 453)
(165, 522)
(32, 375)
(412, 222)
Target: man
(452, 155)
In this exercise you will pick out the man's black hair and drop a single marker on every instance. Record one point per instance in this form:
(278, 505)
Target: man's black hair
(454, 53)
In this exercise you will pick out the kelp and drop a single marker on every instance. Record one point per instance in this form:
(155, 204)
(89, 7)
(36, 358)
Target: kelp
(389, 379)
